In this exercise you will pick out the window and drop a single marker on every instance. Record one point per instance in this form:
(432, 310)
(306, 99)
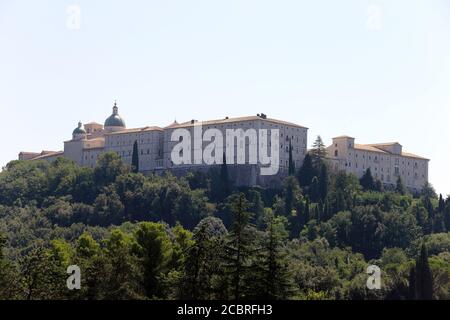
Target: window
(336, 153)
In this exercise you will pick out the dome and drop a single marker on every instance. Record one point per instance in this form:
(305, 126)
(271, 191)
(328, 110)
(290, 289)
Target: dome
(79, 129)
(115, 120)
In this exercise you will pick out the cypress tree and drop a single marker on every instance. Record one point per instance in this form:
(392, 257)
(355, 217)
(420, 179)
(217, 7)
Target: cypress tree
(239, 246)
(314, 190)
(300, 218)
(424, 278)
(447, 213)
(291, 161)
(367, 181)
(441, 206)
(275, 276)
(400, 187)
(225, 179)
(323, 182)
(135, 158)
(307, 210)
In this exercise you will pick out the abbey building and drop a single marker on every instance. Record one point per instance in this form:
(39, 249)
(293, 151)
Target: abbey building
(386, 161)
(285, 143)
(156, 144)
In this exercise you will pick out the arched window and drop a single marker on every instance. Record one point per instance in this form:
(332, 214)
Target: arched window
(336, 153)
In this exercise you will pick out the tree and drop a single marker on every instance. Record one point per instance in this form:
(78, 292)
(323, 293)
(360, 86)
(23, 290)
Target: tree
(108, 207)
(203, 267)
(135, 158)
(275, 278)
(424, 278)
(219, 184)
(314, 190)
(239, 247)
(441, 204)
(367, 232)
(412, 283)
(291, 195)
(125, 273)
(378, 186)
(41, 278)
(318, 152)
(428, 191)
(400, 187)
(307, 209)
(109, 167)
(224, 176)
(291, 170)
(447, 213)
(154, 249)
(306, 172)
(323, 182)
(256, 206)
(367, 181)
(94, 267)
(345, 188)
(8, 286)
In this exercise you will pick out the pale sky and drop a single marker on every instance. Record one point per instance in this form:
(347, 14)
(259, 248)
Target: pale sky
(375, 70)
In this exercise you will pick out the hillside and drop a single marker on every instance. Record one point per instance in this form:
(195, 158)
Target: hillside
(199, 237)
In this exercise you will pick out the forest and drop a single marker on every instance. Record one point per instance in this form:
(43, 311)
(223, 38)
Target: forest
(199, 237)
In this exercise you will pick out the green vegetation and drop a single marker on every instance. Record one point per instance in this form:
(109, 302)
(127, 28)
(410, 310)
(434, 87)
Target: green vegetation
(138, 236)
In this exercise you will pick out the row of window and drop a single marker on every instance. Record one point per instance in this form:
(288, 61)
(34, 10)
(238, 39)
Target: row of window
(396, 171)
(376, 159)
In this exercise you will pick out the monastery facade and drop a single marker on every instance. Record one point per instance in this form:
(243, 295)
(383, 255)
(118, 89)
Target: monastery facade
(387, 161)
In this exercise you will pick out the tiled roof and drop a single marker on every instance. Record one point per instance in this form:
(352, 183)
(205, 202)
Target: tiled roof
(29, 153)
(412, 155)
(136, 130)
(372, 148)
(49, 154)
(232, 120)
(383, 144)
(367, 147)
